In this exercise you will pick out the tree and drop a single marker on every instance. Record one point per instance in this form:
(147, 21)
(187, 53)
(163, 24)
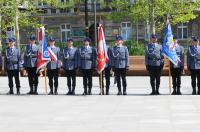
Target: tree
(154, 12)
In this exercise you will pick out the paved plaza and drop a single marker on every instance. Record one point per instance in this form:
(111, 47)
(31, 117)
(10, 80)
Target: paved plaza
(136, 112)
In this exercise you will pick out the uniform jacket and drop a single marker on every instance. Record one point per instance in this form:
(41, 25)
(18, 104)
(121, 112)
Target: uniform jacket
(193, 57)
(53, 65)
(120, 57)
(153, 55)
(70, 58)
(180, 52)
(30, 56)
(87, 57)
(12, 59)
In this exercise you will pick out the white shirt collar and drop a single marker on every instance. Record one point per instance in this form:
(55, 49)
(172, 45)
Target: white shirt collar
(87, 47)
(53, 46)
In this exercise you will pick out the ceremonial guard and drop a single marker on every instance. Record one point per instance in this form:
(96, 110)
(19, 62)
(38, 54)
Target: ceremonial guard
(120, 63)
(70, 64)
(154, 61)
(107, 72)
(193, 63)
(87, 64)
(30, 64)
(53, 67)
(176, 71)
(13, 65)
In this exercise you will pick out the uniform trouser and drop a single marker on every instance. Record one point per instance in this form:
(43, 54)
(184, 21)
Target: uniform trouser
(32, 78)
(195, 75)
(106, 72)
(154, 73)
(15, 74)
(176, 77)
(87, 79)
(53, 75)
(71, 79)
(121, 74)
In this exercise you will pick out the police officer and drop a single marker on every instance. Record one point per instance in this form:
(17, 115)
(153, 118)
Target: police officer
(120, 63)
(193, 63)
(70, 64)
(154, 63)
(30, 64)
(177, 70)
(87, 64)
(53, 67)
(13, 65)
(107, 72)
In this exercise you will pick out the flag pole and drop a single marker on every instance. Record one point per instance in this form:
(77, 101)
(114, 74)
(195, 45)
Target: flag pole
(101, 85)
(45, 78)
(170, 81)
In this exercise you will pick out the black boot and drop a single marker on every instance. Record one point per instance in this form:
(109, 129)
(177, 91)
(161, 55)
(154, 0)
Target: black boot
(124, 91)
(153, 92)
(10, 92)
(31, 91)
(119, 91)
(35, 91)
(69, 91)
(194, 91)
(89, 91)
(51, 91)
(107, 90)
(85, 91)
(178, 91)
(56, 91)
(73, 91)
(174, 91)
(157, 91)
(18, 91)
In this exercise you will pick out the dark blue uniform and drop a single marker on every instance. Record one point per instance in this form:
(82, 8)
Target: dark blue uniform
(30, 64)
(120, 64)
(70, 64)
(193, 62)
(53, 67)
(154, 64)
(177, 70)
(87, 64)
(13, 66)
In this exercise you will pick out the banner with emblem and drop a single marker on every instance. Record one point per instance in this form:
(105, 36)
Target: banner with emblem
(168, 45)
(45, 54)
(102, 56)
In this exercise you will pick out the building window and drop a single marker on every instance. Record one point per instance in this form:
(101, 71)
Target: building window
(182, 31)
(65, 32)
(126, 30)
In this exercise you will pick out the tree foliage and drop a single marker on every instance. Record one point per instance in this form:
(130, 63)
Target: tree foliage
(181, 11)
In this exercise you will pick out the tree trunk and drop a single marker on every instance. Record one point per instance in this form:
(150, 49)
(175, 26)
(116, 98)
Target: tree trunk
(151, 16)
(86, 18)
(17, 27)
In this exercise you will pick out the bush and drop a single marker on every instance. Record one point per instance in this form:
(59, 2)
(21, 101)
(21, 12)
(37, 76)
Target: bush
(135, 48)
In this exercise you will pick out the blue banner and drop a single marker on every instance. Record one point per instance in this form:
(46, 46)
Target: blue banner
(168, 46)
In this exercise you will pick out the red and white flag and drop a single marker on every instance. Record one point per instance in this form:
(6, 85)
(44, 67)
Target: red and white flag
(45, 54)
(102, 57)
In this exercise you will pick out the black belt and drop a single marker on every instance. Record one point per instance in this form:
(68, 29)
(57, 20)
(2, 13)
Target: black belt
(87, 59)
(195, 60)
(154, 59)
(71, 59)
(119, 59)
